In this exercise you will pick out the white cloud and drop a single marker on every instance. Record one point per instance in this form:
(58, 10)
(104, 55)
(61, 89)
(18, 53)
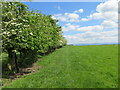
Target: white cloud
(79, 11)
(93, 37)
(91, 28)
(67, 17)
(70, 27)
(111, 5)
(111, 16)
(62, 18)
(109, 24)
(95, 16)
(84, 19)
(72, 15)
(107, 11)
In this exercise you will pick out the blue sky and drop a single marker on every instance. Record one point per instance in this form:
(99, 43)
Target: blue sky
(51, 8)
(83, 22)
(68, 0)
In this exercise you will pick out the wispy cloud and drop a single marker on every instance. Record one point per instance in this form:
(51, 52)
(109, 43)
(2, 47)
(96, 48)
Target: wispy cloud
(58, 7)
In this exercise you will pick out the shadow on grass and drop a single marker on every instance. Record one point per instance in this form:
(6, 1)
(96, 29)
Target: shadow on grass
(23, 63)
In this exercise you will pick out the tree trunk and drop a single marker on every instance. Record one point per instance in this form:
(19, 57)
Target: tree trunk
(12, 61)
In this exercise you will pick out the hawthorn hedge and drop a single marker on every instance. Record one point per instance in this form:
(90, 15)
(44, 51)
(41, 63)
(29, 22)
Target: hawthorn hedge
(28, 32)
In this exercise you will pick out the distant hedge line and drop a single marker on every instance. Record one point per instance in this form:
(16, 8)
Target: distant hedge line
(28, 32)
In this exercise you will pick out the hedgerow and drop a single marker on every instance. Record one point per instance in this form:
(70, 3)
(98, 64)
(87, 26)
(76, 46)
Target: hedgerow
(28, 33)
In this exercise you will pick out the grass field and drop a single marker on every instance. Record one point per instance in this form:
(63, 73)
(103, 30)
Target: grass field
(93, 66)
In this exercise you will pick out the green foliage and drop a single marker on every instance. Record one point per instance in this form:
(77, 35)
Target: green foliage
(27, 31)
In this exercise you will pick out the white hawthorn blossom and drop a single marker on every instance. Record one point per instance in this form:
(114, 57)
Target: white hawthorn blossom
(12, 30)
(31, 33)
(13, 23)
(4, 32)
(14, 19)
(61, 41)
(20, 31)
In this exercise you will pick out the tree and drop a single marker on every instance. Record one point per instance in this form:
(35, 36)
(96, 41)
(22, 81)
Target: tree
(13, 22)
(28, 32)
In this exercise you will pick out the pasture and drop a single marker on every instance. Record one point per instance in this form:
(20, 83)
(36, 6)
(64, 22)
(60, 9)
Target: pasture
(94, 66)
